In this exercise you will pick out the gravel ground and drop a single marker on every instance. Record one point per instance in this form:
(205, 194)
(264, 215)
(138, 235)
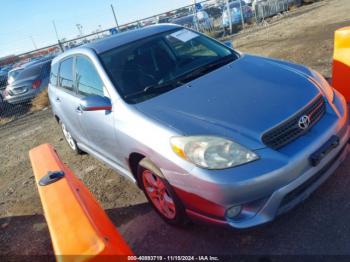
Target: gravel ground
(318, 226)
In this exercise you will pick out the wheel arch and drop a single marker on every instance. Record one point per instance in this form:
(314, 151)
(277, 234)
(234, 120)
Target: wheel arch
(57, 118)
(138, 159)
(134, 160)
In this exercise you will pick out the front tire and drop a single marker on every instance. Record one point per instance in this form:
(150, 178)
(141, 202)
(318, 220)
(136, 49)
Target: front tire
(162, 197)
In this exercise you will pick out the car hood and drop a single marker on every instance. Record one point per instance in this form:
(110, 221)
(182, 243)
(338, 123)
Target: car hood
(240, 101)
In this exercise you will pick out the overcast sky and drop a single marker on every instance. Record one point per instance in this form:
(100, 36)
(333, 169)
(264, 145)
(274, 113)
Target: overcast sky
(24, 20)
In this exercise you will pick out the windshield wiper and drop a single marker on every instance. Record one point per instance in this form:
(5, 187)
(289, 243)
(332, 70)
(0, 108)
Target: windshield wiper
(184, 78)
(204, 69)
(156, 88)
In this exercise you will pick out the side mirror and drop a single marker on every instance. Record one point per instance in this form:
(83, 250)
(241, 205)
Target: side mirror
(95, 103)
(228, 44)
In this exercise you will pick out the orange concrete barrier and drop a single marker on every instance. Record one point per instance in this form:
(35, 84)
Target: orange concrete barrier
(341, 62)
(80, 229)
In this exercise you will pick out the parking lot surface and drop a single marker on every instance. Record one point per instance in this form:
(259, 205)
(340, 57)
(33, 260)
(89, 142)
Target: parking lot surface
(321, 225)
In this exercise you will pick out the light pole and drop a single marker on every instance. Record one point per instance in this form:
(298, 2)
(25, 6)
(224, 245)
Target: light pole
(58, 39)
(115, 17)
(54, 27)
(99, 30)
(34, 44)
(229, 15)
(242, 16)
(195, 15)
(80, 29)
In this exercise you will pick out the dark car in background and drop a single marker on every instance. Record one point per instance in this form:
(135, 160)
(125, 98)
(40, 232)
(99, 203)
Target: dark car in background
(3, 77)
(201, 20)
(214, 11)
(267, 8)
(27, 82)
(3, 81)
(236, 16)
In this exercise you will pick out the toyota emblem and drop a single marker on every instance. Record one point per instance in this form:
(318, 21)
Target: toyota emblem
(304, 122)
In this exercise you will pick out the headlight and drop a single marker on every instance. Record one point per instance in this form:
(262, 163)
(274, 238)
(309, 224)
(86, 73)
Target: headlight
(324, 85)
(211, 152)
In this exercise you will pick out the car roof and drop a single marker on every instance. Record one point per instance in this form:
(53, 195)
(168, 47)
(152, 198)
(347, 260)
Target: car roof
(31, 64)
(123, 38)
(128, 37)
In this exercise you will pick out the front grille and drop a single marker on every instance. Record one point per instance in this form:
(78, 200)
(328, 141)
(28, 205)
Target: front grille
(290, 130)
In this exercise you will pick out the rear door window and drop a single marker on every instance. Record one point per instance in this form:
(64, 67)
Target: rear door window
(66, 79)
(88, 80)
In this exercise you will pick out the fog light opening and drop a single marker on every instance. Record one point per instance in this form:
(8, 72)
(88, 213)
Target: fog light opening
(234, 212)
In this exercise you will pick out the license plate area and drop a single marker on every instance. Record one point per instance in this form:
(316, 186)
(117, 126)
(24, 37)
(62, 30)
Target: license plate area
(324, 150)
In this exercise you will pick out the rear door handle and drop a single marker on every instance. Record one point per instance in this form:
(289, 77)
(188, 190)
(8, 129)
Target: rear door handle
(58, 99)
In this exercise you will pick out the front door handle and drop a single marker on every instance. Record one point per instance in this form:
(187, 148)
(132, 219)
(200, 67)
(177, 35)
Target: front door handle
(58, 99)
(79, 110)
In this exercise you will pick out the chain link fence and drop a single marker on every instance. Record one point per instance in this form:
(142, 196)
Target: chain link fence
(24, 78)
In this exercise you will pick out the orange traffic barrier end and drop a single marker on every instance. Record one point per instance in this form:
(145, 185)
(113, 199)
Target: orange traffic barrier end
(341, 62)
(80, 229)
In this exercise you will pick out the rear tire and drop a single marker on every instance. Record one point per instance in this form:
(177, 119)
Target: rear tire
(162, 197)
(70, 140)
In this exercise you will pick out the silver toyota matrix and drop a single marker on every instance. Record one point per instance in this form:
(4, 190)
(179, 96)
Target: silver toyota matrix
(206, 132)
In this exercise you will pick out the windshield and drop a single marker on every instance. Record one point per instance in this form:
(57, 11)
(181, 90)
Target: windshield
(149, 67)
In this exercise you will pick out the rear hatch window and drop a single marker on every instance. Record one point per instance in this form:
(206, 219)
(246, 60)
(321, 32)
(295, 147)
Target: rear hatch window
(30, 72)
(12, 75)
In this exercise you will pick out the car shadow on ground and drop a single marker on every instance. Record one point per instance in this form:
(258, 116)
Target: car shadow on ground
(318, 226)
(22, 237)
(316, 222)
(120, 216)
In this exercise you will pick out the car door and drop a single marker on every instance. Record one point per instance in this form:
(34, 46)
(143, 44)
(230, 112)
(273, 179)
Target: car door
(65, 98)
(98, 126)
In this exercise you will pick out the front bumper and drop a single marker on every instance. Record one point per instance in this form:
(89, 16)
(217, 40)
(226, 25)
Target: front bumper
(283, 199)
(271, 186)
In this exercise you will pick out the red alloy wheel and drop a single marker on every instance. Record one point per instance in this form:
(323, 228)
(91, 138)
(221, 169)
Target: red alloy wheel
(159, 194)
